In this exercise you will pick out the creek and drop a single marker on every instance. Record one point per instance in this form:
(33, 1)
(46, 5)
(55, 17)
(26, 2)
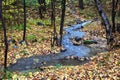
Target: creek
(73, 54)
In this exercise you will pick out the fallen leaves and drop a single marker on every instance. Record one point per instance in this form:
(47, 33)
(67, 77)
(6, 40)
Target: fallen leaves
(18, 50)
(103, 66)
(92, 70)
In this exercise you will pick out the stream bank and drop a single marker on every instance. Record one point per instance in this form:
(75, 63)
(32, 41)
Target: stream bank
(74, 54)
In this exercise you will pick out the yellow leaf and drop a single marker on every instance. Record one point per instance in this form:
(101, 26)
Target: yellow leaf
(36, 73)
(14, 77)
(30, 74)
(116, 62)
(22, 78)
(17, 56)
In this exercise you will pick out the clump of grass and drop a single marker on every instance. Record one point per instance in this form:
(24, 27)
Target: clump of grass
(7, 75)
(24, 52)
(31, 37)
(45, 21)
(20, 27)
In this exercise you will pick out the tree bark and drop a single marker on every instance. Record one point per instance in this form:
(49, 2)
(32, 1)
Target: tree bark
(5, 37)
(113, 16)
(24, 32)
(62, 19)
(42, 8)
(114, 6)
(81, 4)
(105, 21)
(55, 38)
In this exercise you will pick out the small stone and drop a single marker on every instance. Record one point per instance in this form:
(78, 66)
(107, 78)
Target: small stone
(83, 59)
(87, 58)
(75, 57)
(15, 46)
(78, 39)
(12, 41)
(43, 63)
(72, 57)
(63, 49)
(76, 44)
(82, 27)
(40, 24)
(79, 58)
(78, 21)
(41, 69)
(22, 42)
(67, 57)
(35, 40)
(95, 19)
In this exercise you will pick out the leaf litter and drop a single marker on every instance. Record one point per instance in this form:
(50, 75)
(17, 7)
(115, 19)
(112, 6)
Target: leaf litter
(105, 65)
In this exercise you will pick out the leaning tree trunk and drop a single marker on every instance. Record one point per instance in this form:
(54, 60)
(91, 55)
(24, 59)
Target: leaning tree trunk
(105, 21)
(5, 37)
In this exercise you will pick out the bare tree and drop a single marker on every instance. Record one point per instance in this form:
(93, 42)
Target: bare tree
(42, 8)
(81, 4)
(5, 37)
(62, 19)
(24, 32)
(113, 15)
(55, 38)
(105, 21)
(114, 6)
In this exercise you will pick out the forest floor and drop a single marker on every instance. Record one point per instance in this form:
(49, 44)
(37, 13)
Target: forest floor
(105, 65)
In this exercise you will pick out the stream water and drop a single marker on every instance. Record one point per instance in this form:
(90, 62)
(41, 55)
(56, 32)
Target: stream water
(54, 59)
(72, 32)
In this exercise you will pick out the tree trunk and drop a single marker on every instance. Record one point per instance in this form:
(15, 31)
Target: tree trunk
(118, 28)
(55, 38)
(42, 8)
(24, 32)
(105, 21)
(5, 37)
(62, 19)
(81, 4)
(113, 16)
